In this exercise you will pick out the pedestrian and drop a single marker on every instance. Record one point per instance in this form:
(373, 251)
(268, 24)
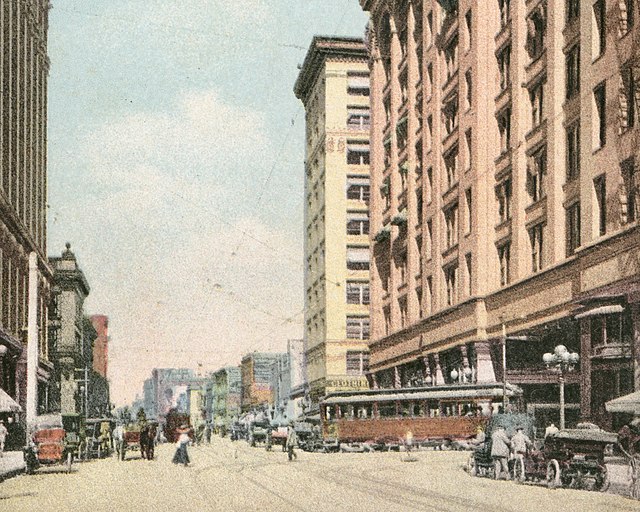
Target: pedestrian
(408, 441)
(182, 456)
(550, 430)
(520, 443)
(3, 436)
(118, 436)
(500, 445)
(292, 440)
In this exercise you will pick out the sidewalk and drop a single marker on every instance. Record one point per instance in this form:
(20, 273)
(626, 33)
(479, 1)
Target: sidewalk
(11, 463)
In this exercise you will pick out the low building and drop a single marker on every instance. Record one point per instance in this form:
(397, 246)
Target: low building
(224, 398)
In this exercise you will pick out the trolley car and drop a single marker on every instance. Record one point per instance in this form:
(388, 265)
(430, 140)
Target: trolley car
(434, 415)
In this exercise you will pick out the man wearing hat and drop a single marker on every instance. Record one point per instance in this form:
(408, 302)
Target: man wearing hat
(500, 451)
(3, 436)
(520, 442)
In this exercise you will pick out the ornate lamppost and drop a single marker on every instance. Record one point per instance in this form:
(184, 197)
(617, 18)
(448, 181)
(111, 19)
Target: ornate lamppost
(561, 360)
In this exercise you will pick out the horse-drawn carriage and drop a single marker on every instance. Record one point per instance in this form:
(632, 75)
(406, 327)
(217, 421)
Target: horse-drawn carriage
(98, 437)
(55, 440)
(259, 431)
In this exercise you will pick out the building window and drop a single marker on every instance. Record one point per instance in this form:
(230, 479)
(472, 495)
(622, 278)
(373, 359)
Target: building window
(387, 321)
(451, 222)
(358, 258)
(451, 166)
(358, 117)
(468, 18)
(504, 126)
(599, 29)
(573, 228)
(402, 267)
(626, 16)
(429, 29)
(450, 114)
(469, 87)
(536, 241)
(627, 99)
(358, 188)
(357, 327)
(536, 28)
(358, 83)
(429, 83)
(503, 197)
(419, 205)
(469, 211)
(429, 185)
(536, 96)
(504, 65)
(429, 241)
(468, 136)
(573, 151)
(536, 172)
(599, 121)
(629, 198)
(402, 307)
(572, 62)
(469, 265)
(600, 189)
(450, 279)
(505, 14)
(451, 57)
(357, 292)
(429, 298)
(357, 362)
(357, 223)
(358, 152)
(429, 133)
(573, 10)
(504, 255)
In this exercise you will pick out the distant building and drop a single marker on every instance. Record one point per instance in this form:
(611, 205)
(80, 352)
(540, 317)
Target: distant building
(333, 86)
(257, 373)
(299, 390)
(281, 407)
(166, 390)
(223, 396)
(101, 344)
(97, 399)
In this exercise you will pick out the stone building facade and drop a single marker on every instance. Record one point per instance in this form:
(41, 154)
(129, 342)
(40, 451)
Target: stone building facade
(24, 68)
(504, 181)
(333, 85)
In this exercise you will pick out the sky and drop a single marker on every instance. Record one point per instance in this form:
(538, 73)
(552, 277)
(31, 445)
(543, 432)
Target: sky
(175, 170)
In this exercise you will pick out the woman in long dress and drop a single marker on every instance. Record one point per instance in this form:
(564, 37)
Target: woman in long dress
(182, 456)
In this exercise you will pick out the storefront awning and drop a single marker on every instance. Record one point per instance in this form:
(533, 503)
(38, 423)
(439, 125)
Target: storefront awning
(8, 404)
(602, 310)
(629, 404)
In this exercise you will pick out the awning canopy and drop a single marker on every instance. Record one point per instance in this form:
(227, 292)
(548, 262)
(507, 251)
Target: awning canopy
(629, 404)
(8, 404)
(601, 310)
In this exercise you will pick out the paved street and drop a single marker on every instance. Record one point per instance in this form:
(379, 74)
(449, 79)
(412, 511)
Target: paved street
(234, 477)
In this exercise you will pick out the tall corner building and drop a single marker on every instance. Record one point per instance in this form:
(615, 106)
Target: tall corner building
(333, 86)
(24, 69)
(504, 196)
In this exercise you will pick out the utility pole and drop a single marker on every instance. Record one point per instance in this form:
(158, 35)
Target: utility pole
(504, 367)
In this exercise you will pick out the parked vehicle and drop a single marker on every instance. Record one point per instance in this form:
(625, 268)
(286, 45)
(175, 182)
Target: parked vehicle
(436, 413)
(53, 442)
(258, 432)
(130, 442)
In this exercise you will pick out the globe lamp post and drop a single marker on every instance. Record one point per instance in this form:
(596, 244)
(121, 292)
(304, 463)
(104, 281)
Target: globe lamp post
(561, 360)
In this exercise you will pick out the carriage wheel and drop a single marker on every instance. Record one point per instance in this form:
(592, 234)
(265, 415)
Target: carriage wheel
(553, 474)
(69, 461)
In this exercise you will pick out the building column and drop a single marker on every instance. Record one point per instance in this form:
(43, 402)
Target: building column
(484, 365)
(397, 379)
(635, 343)
(585, 369)
(438, 378)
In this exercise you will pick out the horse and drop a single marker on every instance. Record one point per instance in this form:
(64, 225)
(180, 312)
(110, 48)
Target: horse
(148, 441)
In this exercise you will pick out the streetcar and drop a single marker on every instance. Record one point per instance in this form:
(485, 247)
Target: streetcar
(435, 415)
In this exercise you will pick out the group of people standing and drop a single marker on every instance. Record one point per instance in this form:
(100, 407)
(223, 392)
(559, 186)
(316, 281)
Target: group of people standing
(503, 446)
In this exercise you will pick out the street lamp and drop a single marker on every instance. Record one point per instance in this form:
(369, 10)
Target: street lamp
(563, 361)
